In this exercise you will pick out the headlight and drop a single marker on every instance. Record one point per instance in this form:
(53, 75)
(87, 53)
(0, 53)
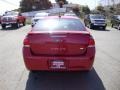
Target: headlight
(92, 21)
(2, 18)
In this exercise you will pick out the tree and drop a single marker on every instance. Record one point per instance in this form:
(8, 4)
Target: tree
(86, 9)
(34, 5)
(65, 1)
(76, 10)
(100, 9)
(61, 4)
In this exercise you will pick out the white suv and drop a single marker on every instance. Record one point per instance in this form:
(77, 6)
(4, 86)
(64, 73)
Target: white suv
(38, 16)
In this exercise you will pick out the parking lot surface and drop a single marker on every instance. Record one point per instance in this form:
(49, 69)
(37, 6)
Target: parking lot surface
(104, 75)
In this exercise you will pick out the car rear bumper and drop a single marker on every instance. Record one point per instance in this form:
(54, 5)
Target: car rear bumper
(72, 63)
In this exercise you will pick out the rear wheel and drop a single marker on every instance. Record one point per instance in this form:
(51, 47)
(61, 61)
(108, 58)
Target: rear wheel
(104, 27)
(90, 26)
(112, 25)
(24, 23)
(85, 24)
(3, 26)
(118, 27)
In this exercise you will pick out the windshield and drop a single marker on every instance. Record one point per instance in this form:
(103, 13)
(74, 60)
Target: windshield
(59, 24)
(10, 13)
(97, 16)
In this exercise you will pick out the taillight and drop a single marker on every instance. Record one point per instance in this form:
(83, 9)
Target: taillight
(91, 42)
(26, 42)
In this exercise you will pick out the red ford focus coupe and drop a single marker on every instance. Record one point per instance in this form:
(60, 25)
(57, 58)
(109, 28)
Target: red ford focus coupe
(59, 43)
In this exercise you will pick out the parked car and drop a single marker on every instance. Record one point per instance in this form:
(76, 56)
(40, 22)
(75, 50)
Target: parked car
(115, 21)
(95, 20)
(12, 18)
(70, 14)
(59, 43)
(38, 16)
(0, 19)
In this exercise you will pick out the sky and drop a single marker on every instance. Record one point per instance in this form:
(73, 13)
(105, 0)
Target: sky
(6, 5)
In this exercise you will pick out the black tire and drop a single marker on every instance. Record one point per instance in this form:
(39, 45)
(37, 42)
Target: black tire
(91, 26)
(13, 25)
(3, 26)
(34, 71)
(118, 27)
(32, 25)
(104, 27)
(112, 25)
(24, 23)
(85, 24)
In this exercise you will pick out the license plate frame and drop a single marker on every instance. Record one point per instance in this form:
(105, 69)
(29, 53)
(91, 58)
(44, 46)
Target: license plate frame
(57, 64)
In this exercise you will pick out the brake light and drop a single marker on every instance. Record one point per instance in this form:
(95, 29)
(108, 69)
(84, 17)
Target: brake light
(91, 42)
(26, 42)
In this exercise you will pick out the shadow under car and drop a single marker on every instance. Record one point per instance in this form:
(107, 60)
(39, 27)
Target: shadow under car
(64, 81)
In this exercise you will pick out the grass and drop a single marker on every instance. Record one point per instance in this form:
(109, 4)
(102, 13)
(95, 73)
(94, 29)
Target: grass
(28, 21)
(108, 23)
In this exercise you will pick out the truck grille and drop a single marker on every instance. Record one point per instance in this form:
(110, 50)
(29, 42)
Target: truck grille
(7, 19)
(100, 21)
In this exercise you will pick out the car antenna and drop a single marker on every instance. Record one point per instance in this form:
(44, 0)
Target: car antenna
(59, 15)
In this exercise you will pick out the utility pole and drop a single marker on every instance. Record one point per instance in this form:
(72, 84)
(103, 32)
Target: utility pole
(113, 1)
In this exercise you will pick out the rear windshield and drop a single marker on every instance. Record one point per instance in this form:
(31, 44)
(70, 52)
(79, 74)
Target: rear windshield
(10, 13)
(59, 24)
(97, 16)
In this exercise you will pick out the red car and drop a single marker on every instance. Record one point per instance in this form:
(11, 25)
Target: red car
(12, 18)
(59, 44)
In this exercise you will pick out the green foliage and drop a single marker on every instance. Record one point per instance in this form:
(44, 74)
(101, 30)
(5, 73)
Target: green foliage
(86, 9)
(76, 10)
(100, 8)
(34, 5)
(65, 1)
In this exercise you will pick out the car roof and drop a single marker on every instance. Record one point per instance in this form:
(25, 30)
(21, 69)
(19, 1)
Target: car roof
(70, 14)
(116, 15)
(41, 14)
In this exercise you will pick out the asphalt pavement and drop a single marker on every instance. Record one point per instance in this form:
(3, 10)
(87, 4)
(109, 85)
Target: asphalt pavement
(104, 76)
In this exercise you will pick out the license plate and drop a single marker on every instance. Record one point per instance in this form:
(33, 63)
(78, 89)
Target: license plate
(58, 64)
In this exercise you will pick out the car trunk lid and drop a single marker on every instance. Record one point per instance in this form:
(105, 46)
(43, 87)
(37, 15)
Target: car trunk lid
(59, 43)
